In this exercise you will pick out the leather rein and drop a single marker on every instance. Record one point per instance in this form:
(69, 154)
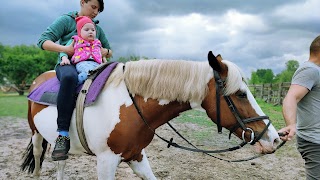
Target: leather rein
(241, 124)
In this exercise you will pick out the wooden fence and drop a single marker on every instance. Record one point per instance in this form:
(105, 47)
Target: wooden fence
(270, 93)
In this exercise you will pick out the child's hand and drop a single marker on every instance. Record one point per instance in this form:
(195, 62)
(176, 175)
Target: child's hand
(64, 61)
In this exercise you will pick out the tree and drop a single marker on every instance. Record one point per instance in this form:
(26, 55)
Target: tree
(131, 58)
(286, 75)
(21, 64)
(262, 76)
(1, 58)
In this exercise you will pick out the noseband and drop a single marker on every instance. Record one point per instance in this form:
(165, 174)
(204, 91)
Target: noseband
(241, 122)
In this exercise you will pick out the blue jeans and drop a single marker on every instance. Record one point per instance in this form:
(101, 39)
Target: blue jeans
(66, 99)
(83, 68)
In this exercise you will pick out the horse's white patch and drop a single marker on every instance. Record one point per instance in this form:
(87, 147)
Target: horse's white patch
(163, 102)
(197, 106)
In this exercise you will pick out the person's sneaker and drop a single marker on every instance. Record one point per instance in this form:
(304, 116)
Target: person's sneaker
(61, 148)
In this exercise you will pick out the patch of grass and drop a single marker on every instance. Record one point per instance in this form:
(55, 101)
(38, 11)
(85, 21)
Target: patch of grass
(274, 113)
(195, 117)
(13, 105)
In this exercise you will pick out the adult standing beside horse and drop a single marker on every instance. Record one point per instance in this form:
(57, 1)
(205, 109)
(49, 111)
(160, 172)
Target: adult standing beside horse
(301, 110)
(62, 29)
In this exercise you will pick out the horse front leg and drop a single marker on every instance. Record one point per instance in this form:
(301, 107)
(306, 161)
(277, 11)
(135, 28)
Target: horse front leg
(60, 172)
(107, 163)
(37, 152)
(142, 169)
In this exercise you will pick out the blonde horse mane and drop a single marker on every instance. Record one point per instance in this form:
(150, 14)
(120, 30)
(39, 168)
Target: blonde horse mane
(173, 80)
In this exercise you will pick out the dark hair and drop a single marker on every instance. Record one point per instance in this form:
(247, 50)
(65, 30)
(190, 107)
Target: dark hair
(315, 46)
(101, 4)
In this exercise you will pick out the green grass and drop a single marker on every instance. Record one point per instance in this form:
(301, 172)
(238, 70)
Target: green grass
(13, 105)
(274, 113)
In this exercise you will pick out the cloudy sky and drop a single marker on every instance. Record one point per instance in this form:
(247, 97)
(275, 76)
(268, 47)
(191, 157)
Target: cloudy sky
(260, 34)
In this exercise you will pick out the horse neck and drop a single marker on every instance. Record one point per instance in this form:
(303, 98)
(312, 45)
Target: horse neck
(156, 114)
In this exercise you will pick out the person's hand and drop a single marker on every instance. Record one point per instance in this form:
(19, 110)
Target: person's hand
(106, 52)
(69, 49)
(64, 61)
(104, 60)
(288, 132)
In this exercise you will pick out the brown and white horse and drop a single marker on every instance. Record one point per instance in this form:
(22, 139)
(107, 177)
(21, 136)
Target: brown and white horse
(162, 89)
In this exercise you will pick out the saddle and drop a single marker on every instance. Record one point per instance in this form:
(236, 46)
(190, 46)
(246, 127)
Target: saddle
(46, 93)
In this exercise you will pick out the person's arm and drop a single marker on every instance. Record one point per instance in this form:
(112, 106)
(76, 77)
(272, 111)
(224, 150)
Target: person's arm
(69, 45)
(51, 46)
(289, 110)
(52, 34)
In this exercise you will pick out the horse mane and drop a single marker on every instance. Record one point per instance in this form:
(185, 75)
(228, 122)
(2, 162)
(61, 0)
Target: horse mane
(173, 80)
(235, 80)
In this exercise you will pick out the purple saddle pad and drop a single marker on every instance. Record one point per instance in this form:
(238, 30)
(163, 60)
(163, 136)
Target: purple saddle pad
(47, 92)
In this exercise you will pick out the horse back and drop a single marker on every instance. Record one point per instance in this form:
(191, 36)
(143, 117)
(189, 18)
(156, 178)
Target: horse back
(33, 107)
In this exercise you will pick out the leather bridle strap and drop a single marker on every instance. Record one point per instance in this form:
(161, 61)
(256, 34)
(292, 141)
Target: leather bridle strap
(219, 87)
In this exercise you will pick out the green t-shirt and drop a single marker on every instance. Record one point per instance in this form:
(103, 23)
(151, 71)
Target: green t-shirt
(64, 27)
(308, 110)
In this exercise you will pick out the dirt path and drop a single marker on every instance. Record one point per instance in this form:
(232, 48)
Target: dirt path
(166, 163)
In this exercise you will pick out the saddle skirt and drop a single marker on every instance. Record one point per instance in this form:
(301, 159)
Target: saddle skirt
(47, 92)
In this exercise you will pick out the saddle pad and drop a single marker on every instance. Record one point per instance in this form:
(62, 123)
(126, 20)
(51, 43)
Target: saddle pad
(47, 92)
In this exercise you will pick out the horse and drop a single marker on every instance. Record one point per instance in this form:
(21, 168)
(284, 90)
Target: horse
(141, 96)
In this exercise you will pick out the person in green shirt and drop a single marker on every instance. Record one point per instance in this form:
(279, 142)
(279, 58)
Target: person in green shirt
(62, 29)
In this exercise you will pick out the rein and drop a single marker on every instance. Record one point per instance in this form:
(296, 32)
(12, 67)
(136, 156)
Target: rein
(241, 123)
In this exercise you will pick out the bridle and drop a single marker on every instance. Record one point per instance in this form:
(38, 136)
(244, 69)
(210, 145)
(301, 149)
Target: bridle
(241, 123)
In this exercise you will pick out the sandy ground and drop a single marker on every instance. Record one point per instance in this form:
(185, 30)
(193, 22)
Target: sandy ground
(167, 163)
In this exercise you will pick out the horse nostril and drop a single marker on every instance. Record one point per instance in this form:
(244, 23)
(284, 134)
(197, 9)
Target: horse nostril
(276, 142)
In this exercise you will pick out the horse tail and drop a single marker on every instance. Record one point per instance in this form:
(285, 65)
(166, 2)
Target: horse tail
(28, 158)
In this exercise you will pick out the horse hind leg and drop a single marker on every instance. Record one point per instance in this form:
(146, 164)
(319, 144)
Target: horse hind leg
(34, 154)
(38, 152)
(142, 169)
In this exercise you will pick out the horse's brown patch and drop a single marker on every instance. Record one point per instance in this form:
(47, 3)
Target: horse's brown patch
(132, 134)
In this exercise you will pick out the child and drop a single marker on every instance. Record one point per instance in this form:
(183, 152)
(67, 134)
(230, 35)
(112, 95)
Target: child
(87, 49)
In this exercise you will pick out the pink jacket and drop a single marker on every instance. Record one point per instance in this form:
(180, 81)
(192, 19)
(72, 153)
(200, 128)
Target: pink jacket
(84, 50)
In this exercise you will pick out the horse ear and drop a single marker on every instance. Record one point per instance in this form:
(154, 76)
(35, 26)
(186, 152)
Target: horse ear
(214, 62)
(219, 57)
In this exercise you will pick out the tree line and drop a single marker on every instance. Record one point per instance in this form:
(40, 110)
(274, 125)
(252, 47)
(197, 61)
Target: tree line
(21, 64)
(263, 76)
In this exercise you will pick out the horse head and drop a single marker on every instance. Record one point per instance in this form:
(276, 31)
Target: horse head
(230, 104)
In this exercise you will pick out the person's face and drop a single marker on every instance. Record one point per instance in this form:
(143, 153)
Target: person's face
(88, 32)
(90, 8)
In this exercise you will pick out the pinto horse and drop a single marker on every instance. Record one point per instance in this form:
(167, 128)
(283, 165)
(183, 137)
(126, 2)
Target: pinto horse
(141, 96)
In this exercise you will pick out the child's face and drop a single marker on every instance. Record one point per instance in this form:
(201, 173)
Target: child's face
(88, 32)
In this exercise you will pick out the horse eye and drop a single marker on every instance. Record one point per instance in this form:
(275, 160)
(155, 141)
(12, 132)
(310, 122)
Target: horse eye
(242, 95)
